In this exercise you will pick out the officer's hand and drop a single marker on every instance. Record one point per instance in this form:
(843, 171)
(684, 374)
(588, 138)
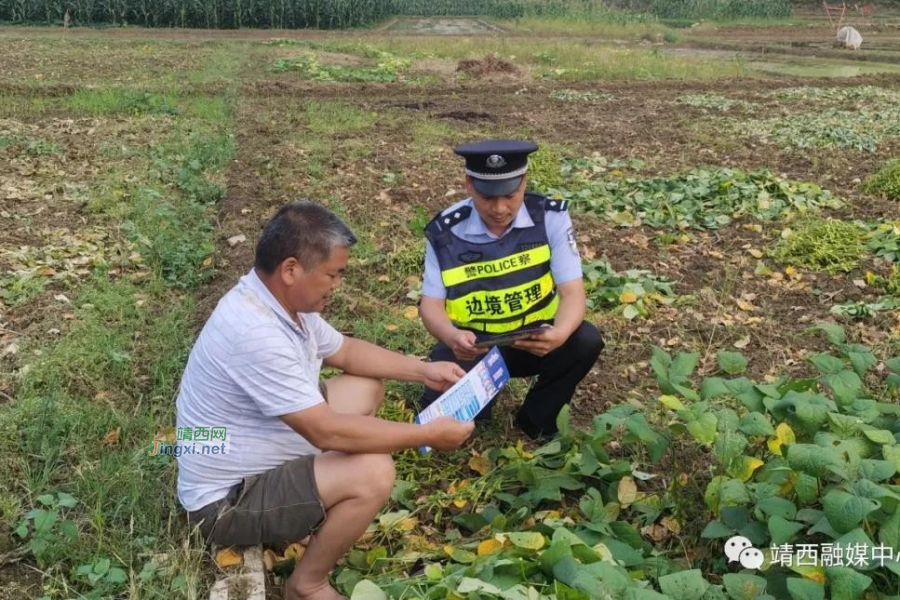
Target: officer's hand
(463, 345)
(446, 433)
(441, 375)
(542, 342)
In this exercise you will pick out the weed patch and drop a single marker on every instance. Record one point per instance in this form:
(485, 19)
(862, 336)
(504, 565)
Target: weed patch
(886, 181)
(713, 102)
(822, 244)
(576, 96)
(122, 100)
(389, 68)
(838, 95)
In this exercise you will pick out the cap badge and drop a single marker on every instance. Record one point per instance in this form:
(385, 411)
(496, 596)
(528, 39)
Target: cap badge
(495, 161)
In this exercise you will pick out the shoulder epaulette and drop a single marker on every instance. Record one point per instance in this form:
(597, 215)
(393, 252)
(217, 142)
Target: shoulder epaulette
(556, 205)
(438, 229)
(451, 219)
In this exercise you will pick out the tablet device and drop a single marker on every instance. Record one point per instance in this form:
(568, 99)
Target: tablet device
(505, 339)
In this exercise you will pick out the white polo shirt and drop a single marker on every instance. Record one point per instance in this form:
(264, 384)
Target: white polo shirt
(250, 365)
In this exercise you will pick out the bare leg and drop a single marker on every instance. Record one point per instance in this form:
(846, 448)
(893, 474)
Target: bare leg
(353, 488)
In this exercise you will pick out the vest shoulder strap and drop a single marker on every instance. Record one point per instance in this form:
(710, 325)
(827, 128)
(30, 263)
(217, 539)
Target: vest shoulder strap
(536, 201)
(439, 227)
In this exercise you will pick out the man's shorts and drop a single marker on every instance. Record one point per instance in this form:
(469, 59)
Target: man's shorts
(274, 507)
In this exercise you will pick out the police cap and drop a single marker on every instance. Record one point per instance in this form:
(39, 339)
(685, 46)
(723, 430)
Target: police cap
(496, 166)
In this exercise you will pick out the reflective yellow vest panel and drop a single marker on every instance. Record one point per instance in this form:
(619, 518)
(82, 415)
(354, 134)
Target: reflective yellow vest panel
(498, 286)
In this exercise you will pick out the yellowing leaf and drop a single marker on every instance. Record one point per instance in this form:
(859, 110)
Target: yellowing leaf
(547, 514)
(479, 464)
(627, 297)
(530, 540)
(270, 559)
(166, 434)
(228, 558)
(788, 486)
(411, 313)
(391, 327)
(407, 524)
(755, 253)
(783, 435)
(295, 551)
(671, 402)
(489, 547)
(207, 261)
(742, 343)
(813, 573)
(657, 533)
(744, 305)
(627, 492)
(460, 503)
(744, 467)
(113, 436)
(671, 524)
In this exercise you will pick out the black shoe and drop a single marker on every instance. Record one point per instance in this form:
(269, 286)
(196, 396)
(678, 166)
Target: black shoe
(532, 431)
(486, 414)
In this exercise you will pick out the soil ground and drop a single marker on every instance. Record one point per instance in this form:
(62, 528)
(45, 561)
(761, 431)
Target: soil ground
(381, 154)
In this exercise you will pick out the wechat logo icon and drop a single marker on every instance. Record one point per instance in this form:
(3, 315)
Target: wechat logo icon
(740, 549)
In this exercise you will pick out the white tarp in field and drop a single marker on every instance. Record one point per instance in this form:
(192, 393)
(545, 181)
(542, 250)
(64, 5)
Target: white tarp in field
(848, 37)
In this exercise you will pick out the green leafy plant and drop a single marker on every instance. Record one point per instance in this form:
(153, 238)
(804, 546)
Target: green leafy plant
(889, 283)
(837, 96)
(863, 309)
(712, 101)
(567, 95)
(860, 129)
(823, 244)
(102, 576)
(886, 181)
(792, 461)
(388, 68)
(796, 457)
(720, 9)
(884, 240)
(702, 198)
(544, 168)
(634, 293)
(47, 530)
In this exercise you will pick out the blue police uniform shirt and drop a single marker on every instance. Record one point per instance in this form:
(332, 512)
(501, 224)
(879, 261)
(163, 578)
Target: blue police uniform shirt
(565, 263)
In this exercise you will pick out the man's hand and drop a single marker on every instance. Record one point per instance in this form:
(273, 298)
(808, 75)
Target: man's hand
(442, 375)
(543, 341)
(446, 433)
(463, 345)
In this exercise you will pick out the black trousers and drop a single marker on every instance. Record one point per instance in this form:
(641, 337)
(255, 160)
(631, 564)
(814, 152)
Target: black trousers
(558, 373)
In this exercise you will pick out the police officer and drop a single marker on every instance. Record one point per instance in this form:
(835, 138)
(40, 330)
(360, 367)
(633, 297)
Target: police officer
(502, 260)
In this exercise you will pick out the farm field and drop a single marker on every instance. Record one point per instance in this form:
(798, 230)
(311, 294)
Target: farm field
(735, 201)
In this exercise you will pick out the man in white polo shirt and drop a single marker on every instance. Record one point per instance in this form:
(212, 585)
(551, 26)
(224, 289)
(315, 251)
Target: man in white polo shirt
(289, 456)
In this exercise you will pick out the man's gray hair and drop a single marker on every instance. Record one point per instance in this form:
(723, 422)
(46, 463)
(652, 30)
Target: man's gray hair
(304, 230)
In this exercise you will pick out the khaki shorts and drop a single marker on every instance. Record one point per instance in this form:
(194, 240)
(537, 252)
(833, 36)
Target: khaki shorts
(274, 507)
